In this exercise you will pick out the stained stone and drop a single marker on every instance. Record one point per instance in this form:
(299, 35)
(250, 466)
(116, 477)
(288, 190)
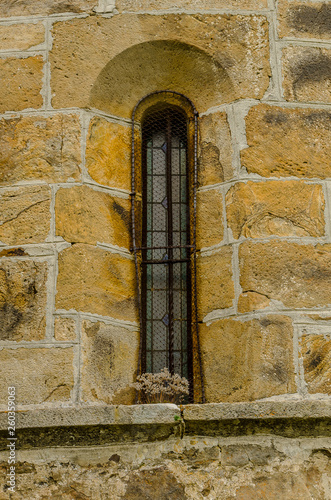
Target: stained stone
(296, 275)
(244, 361)
(23, 299)
(215, 283)
(108, 153)
(85, 215)
(209, 218)
(304, 19)
(260, 209)
(307, 74)
(288, 142)
(316, 355)
(47, 374)
(93, 280)
(25, 214)
(109, 363)
(215, 149)
(39, 148)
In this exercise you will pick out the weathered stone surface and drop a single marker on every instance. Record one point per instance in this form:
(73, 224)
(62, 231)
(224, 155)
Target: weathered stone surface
(279, 485)
(38, 148)
(24, 215)
(110, 360)
(238, 456)
(215, 149)
(96, 281)
(209, 218)
(304, 19)
(21, 83)
(65, 329)
(249, 360)
(316, 354)
(44, 7)
(252, 301)
(267, 410)
(225, 55)
(38, 374)
(288, 142)
(21, 36)
(172, 469)
(159, 484)
(136, 5)
(307, 74)
(297, 275)
(84, 215)
(260, 209)
(108, 153)
(22, 299)
(215, 284)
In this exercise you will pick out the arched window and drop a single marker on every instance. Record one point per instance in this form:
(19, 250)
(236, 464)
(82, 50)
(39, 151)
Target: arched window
(164, 212)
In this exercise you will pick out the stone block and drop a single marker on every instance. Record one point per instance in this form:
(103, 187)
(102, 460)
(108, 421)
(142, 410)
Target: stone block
(22, 81)
(23, 298)
(296, 275)
(137, 5)
(21, 36)
(262, 209)
(307, 74)
(24, 214)
(288, 142)
(84, 215)
(109, 363)
(39, 375)
(243, 361)
(215, 149)
(39, 148)
(315, 352)
(10, 8)
(65, 329)
(225, 55)
(108, 153)
(214, 281)
(93, 280)
(210, 227)
(304, 19)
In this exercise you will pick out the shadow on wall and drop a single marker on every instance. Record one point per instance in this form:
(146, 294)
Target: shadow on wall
(160, 65)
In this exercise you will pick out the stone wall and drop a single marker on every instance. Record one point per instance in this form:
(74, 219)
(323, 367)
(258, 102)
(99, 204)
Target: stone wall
(259, 74)
(246, 451)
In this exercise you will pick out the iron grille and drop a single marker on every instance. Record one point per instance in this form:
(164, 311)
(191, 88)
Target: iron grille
(165, 256)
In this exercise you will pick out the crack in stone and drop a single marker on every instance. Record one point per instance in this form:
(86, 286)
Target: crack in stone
(22, 211)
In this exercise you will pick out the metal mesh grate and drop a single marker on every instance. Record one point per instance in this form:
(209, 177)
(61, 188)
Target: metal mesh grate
(164, 229)
(166, 279)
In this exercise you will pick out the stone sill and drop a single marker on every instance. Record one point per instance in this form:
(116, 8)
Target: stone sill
(100, 425)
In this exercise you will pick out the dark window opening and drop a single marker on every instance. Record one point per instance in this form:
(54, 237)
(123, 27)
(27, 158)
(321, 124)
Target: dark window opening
(166, 273)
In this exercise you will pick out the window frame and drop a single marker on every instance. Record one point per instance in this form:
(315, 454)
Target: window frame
(169, 99)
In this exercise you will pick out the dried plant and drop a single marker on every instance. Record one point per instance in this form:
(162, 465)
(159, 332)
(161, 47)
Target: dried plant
(161, 387)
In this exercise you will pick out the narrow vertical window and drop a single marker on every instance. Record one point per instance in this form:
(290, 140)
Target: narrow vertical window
(164, 187)
(166, 277)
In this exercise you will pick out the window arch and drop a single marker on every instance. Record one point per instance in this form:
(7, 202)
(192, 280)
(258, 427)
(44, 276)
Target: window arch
(164, 181)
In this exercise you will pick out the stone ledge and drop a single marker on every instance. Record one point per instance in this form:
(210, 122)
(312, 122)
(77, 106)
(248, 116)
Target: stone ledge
(102, 425)
(94, 415)
(258, 410)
